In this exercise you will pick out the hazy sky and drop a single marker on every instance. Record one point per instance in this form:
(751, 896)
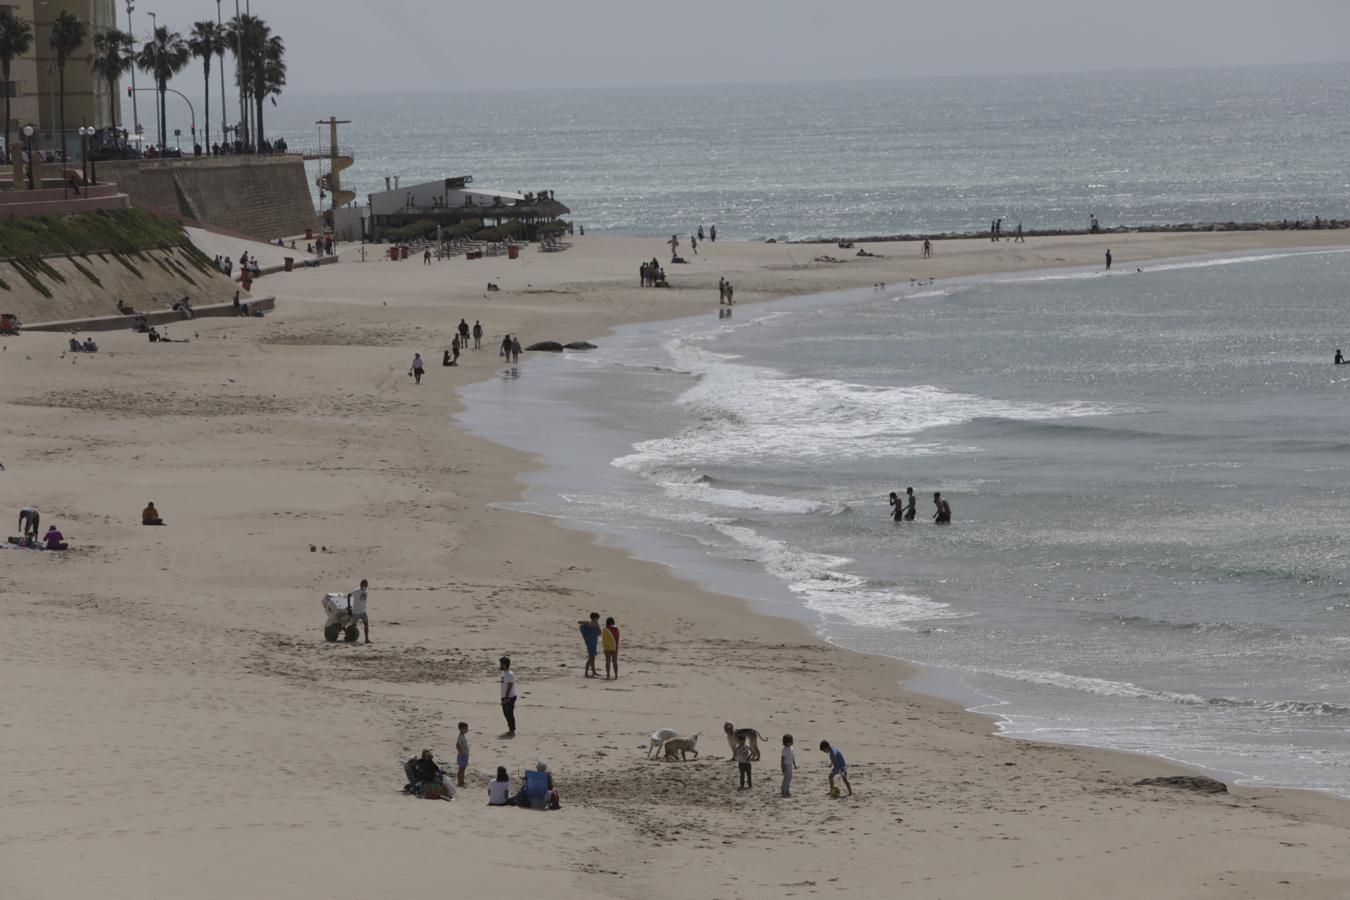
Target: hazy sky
(368, 46)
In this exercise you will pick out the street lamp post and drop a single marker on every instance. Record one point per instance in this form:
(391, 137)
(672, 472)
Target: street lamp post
(223, 133)
(28, 139)
(135, 112)
(85, 134)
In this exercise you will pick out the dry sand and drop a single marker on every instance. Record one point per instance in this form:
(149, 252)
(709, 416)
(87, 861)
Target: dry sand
(174, 726)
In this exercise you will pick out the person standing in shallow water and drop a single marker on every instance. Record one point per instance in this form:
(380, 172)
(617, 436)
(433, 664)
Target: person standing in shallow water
(911, 504)
(943, 516)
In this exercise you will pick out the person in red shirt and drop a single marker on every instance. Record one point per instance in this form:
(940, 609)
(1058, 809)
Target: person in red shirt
(610, 640)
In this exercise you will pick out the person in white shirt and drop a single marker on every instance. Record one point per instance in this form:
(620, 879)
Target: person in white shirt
(499, 790)
(508, 694)
(356, 605)
(789, 764)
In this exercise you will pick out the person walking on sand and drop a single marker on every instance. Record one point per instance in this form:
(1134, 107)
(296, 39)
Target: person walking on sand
(356, 605)
(609, 640)
(416, 370)
(477, 335)
(674, 246)
(590, 633)
(505, 352)
(1108, 259)
(515, 350)
(789, 765)
(838, 767)
(454, 350)
(1019, 238)
(943, 515)
(508, 694)
(731, 294)
(693, 244)
(461, 753)
(927, 249)
(464, 334)
(743, 757)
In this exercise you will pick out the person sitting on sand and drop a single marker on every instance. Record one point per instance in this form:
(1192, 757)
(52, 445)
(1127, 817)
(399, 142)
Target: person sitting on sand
(75, 346)
(150, 515)
(1340, 360)
(445, 359)
(425, 774)
(90, 346)
(499, 789)
(54, 539)
(538, 790)
(153, 335)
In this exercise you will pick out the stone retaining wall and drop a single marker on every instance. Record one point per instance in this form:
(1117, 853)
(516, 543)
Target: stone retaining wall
(263, 197)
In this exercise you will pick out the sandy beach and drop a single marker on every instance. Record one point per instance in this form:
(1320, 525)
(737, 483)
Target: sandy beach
(175, 725)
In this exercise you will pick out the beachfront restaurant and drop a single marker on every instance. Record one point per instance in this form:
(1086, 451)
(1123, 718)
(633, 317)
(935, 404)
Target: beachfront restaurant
(417, 210)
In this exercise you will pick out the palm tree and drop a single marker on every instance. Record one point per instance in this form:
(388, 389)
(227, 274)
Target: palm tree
(16, 39)
(269, 77)
(67, 36)
(111, 59)
(207, 40)
(163, 56)
(245, 37)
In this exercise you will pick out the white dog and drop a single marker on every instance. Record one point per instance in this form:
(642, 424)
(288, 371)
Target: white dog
(659, 739)
(682, 746)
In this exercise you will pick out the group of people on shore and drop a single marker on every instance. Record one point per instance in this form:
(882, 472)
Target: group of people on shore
(594, 637)
(726, 292)
(995, 234)
(459, 341)
(428, 779)
(652, 274)
(29, 521)
(904, 509)
(745, 755)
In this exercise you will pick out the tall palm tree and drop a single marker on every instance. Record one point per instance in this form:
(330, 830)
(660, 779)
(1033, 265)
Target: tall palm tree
(16, 39)
(246, 36)
(68, 34)
(163, 56)
(207, 40)
(111, 59)
(269, 77)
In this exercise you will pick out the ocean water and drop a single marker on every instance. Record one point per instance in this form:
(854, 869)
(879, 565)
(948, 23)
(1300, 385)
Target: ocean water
(1149, 473)
(874, 157)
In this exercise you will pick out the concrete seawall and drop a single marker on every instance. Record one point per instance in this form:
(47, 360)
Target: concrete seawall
(264, 197)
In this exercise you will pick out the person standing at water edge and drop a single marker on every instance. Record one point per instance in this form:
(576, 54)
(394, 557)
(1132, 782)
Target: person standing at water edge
(508, 694)
(515, 349)
(712, 235)
(943, 516)
(416, 370)
(590, 633)
(505, 352)
(1108, 259)
(1019, 239)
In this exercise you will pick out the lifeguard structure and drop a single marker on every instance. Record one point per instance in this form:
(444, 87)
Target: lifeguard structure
(338, 159)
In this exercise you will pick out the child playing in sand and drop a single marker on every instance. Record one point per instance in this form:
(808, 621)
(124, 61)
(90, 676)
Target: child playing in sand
(837, 766)
(743, 761)
(610, 641)
(462, 752)
(789, 765)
